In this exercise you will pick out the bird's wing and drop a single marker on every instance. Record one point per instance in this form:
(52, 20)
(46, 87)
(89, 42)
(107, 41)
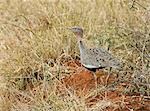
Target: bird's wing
(104, 57)
(90, 59)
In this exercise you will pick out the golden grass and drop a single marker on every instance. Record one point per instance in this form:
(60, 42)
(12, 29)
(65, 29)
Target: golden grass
(33, 33)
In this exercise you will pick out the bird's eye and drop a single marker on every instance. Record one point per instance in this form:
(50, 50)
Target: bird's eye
(75, 28)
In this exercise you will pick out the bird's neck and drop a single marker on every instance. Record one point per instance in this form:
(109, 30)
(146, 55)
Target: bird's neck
(80, 42)
(81, 45)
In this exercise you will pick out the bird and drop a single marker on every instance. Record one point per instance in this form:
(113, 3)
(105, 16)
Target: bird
(94, 58)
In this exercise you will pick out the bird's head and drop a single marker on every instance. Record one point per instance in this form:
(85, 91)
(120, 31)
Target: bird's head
(78, 31)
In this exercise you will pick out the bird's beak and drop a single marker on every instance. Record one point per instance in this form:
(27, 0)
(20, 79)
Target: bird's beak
(69, 28)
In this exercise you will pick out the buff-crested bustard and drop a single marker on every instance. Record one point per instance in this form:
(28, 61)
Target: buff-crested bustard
(94, 58)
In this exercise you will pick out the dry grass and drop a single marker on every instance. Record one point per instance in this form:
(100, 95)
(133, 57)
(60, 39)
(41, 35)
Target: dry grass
(35, 45)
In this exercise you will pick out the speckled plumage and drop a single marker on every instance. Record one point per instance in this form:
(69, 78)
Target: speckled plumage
(97, 58)
(94, 58)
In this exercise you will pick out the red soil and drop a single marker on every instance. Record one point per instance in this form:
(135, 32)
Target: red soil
(82, 82)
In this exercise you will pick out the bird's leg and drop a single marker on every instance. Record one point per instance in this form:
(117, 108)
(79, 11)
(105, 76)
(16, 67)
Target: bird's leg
(95, 79)
(107, 78)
